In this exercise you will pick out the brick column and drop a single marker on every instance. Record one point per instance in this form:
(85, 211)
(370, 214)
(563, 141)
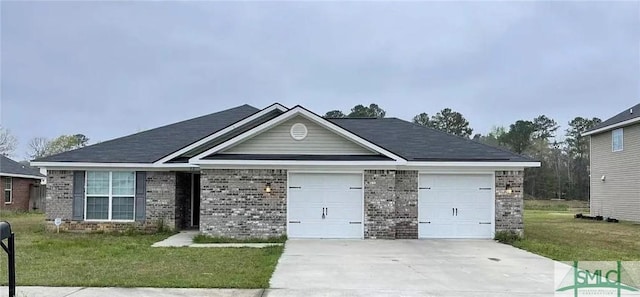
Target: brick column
(406, 204)
(379, 204)
(509, 206)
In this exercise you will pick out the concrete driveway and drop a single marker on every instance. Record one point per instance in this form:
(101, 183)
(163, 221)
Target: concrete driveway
(409, 268)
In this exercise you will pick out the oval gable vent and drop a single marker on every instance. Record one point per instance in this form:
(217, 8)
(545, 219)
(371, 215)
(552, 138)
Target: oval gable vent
(298, 131)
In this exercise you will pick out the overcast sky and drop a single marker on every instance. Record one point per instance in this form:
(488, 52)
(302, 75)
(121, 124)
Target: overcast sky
(114, 68)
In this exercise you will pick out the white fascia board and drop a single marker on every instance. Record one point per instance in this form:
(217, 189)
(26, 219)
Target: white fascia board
(363, 164)
(286, 116)
(221, 132)
(474, 164)
(85, 165)
(611, 127)
(23, 176)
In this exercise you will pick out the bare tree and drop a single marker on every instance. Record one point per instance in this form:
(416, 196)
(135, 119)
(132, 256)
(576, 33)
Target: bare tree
(8, 142)
(38, 148)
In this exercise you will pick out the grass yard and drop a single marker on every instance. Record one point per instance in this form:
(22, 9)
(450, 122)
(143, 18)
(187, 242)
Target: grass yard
(558, 235)
(97, 260)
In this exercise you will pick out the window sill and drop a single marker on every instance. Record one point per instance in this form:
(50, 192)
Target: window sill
(8, 203)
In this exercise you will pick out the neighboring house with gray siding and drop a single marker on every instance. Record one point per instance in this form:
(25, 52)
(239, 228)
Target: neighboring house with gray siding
(615, 166)
(246, 172)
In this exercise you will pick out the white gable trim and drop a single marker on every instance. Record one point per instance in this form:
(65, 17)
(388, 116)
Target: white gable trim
(23, 176)
(221, 132)
(612, 126)
(453, 164)
(285, 163)
(298, 110)
(149, 166)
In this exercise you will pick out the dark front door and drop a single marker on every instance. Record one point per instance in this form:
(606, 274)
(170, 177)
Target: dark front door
(195, 201)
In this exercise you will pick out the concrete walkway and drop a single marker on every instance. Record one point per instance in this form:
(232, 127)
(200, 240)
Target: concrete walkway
(185, 239)
(128, 292)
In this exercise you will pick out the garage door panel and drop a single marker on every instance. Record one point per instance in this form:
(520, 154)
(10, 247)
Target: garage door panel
(342, 230)
(473, 230)
(439, 196)
(434, 229)
(340, 195)
(305, 196)
(306, 230)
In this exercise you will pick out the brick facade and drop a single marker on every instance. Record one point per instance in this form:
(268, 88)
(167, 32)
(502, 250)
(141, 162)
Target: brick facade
(59, 199)
(406, 204)
(234, 203)
(509, 206)
(20, 193)
(379, 204)
(162, 190)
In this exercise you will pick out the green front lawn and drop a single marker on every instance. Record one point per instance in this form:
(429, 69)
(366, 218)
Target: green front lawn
(97, 260)
(558, 235)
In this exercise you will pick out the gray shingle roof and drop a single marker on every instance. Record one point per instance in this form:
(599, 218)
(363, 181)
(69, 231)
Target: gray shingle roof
(418, 143)
(619, 118)
(152, 145)
(410, 141)
(8, 166)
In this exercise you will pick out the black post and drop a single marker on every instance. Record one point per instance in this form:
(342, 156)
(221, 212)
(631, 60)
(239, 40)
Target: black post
(12, 265)
(10, 249)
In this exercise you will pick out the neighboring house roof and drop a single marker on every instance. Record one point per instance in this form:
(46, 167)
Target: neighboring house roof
(151, 145)
(12, 168)
(628, 116)
(176, 143)
(418, 143)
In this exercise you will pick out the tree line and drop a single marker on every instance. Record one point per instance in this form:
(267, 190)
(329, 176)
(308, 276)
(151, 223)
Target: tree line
(39, 147)
(564, 170)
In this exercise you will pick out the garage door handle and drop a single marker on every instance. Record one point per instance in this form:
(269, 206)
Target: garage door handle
(424, 222)
(427, 188)
(355, 188)
(484, 189)
(355, 222)
(484, 223)
(295, 187)
(294, 222)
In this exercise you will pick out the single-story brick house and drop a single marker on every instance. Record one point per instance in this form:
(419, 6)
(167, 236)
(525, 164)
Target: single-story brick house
(18, 181)
(246, 172)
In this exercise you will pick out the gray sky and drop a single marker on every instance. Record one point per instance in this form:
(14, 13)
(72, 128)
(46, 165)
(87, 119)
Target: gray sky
(114, 68)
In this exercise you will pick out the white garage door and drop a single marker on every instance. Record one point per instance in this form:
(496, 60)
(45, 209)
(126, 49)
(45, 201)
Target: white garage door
(325, 205)
(455, 206)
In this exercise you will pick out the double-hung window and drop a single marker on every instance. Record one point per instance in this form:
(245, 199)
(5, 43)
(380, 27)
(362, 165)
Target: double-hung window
(110, 195)
(617, 140)
(8, 190)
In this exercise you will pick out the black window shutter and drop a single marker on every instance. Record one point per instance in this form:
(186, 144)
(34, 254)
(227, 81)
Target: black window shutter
(141, 195)
(78, 196)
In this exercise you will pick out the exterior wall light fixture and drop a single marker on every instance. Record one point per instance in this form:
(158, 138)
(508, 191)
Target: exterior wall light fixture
(267, 188)
(508, 189)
